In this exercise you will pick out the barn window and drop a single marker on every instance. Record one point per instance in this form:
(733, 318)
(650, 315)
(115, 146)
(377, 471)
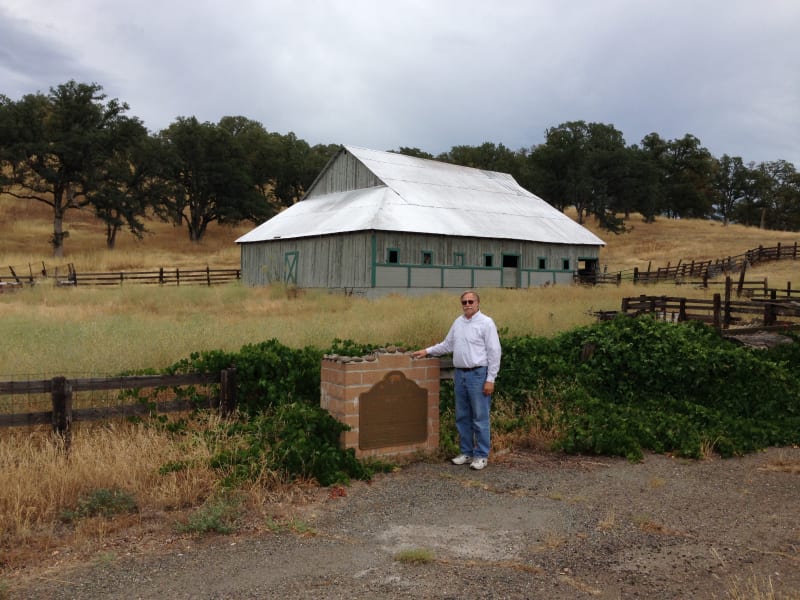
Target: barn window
(565, 264)
(510, 261)
(393, 256)
(542, 263)
(427, 257)
(458, 259)
(488, 260)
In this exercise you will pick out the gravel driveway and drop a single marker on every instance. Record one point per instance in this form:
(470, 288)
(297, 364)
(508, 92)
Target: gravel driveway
(529, 526)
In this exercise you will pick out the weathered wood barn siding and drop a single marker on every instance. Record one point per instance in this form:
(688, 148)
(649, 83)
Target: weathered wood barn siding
(359, 262)
(345, 173)
(330, 261)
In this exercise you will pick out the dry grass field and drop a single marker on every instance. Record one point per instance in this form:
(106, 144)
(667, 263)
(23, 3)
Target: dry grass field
(26, 227)
(49, 331)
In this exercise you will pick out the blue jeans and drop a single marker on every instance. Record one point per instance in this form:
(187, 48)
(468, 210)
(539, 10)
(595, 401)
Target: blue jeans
(472, 412)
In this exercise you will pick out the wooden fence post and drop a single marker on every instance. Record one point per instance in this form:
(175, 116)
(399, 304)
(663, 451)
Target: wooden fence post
(717, 319)
(741, 280)
(61, 396)
(227, 391)
(770, 314)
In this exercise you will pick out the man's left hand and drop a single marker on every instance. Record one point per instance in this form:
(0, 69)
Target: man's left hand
(488, 388)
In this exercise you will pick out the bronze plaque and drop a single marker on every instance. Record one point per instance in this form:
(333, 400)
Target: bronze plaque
(392, 413)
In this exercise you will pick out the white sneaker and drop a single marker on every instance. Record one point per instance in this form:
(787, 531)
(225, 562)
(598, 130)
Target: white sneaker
(479, 463)
(461, 459)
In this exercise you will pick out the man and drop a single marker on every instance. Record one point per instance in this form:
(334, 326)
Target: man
(475, 346)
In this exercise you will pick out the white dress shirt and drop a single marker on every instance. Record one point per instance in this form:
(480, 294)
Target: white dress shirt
(473, 342)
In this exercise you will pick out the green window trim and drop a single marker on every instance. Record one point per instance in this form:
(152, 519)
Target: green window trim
(290, 267)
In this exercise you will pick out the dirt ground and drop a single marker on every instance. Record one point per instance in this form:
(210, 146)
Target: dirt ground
(531, 525)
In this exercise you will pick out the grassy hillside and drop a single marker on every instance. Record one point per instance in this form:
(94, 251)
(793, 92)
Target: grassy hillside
(25, 228)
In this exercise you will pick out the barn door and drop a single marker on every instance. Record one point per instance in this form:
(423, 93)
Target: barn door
(511, 270)
(290, 267)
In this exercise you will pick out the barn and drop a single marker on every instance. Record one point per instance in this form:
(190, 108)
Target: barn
(375, 222)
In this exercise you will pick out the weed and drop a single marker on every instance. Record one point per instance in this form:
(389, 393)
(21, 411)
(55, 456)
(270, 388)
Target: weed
(550, 541)
(756, 588)
(101, 502)
(783, 464)
(218, 515)
(608, 522)
(415, 556)
(106, 558)
(291, 525)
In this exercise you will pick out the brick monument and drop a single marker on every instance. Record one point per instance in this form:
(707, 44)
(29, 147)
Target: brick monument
(389, 400)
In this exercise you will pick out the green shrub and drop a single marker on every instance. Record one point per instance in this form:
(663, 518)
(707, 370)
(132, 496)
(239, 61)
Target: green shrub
(294, 439)
(218, 515)
(415, 556)
(101, 502)
(267, 373)
(674, 388)
(616, 387)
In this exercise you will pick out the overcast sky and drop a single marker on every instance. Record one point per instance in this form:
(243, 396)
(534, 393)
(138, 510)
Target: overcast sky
(430, 74)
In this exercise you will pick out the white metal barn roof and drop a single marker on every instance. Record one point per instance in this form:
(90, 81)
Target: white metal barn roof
(427, 196)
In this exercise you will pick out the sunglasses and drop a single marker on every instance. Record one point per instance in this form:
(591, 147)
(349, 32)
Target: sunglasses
(465, 302)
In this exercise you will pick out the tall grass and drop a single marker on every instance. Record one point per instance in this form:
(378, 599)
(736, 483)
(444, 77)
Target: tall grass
(39, 483)
(50, 331)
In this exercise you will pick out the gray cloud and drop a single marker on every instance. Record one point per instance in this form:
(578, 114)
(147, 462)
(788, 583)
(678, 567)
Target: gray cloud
(431, 74)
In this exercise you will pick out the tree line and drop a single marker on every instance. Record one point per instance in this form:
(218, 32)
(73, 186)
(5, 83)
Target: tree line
(590, 167)
(74, 148)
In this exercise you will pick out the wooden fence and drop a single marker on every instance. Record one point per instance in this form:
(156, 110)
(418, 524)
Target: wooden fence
(162, 276)
(719, 312)
(61, 390)
(698, 272)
